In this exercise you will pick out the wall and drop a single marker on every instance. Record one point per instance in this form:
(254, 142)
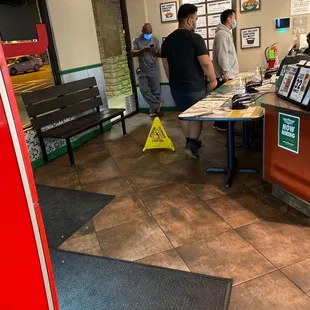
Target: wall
(116, 71)
(265, 18)
(142, 11)
(74, 33)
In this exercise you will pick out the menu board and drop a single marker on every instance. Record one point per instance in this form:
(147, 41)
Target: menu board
(201, 9)
(202, 22)
(218, 6)
(209, 16)
(299, 7)
(202, 32)
(288, 81)
(214, 20)
(301, 84)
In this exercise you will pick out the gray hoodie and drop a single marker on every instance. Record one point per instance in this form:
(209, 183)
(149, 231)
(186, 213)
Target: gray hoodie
(225, 59)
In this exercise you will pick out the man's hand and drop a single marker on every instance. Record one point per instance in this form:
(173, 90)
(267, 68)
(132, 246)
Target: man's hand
(213, 84)
(147, 49)
(153, 49)
(226, 78)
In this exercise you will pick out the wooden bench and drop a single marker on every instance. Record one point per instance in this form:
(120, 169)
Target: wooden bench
(78, 101)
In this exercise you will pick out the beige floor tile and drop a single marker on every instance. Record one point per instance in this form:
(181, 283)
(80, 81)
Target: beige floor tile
(272, 291)
(226, 255)
(134, 240)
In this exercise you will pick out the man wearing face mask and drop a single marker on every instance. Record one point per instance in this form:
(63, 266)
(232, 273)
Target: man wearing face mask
(147, 49)
(225, 59)
(187, 63)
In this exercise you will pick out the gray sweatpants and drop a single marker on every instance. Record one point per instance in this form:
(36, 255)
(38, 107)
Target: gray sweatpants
(150, 90)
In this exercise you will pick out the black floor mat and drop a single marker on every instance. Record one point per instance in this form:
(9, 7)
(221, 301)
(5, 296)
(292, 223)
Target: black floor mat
(64, 211)
(86, 283)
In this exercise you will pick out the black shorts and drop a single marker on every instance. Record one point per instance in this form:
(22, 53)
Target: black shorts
(184, 101)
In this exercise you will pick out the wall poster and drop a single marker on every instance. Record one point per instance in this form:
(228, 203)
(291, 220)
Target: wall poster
(250, 37)
(168, 12)
(201, 9)
(249, 5)
(218, 6)
(299, 7)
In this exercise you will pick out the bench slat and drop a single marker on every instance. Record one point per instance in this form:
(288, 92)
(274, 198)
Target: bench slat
(58, 90)
(61, 102)
(59, 115)
(81, 124)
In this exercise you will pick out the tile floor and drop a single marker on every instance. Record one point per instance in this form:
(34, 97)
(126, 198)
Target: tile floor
(168, 212)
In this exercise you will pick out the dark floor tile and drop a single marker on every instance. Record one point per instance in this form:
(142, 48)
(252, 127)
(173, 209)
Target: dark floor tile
(151, 177)
(58, 176)
(283, 239)
(169, 259)
(300, 274)
(96, 172)
(121, 210)
(133, 241)
(265, 191)
(167, 157)
(118, 186)
(135, 164)
(124, 148)
(272, 291)
(211, 148)
(87, 244)
(226, 255)
(244, 208)
(167, 197)
(213, 186)
(191, 223)
(191, 171)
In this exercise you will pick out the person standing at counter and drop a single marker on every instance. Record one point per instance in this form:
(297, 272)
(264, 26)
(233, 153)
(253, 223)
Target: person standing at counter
(186, 62)
(147, 48)
(225, 58)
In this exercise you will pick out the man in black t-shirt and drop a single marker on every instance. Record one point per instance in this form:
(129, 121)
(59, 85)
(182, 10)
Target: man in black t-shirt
(186, 62)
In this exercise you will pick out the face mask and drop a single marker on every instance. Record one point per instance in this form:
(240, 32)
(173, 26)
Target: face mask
(234, 25)
(147, 36)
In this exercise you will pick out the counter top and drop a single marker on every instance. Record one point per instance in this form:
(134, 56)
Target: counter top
(272, 101)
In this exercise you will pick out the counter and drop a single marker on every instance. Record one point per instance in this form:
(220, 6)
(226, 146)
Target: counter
(287, 151)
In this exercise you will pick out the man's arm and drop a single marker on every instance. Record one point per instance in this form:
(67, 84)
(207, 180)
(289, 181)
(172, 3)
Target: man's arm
(208, 69)
(166, 67)
(136, 52)
(223, 52)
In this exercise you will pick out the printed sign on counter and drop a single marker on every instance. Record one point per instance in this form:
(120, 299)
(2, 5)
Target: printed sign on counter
(288, 81)
(299, 7)
(202, 32)
(300, 86)
(218, 6)
(214, 20)
(288, 132)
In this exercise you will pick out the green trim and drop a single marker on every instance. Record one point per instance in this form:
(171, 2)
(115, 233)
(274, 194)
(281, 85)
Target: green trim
(63, 150)
(64, 72)
(147, 110)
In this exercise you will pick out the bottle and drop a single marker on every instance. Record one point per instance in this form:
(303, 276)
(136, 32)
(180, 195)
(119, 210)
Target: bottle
(277, 64)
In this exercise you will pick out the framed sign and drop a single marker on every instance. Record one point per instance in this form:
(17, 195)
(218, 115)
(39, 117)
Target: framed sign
(201, 22)
(288, 132)
(218, 6)
(249, 5)
(168, 12)
(201, 9)
(202, 32)
(211, 32)
(250, 37)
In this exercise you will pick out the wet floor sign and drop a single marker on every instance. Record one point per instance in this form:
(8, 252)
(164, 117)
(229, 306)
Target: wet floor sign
(158, 138)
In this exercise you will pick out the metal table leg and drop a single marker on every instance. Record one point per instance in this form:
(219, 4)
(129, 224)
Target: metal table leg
(231, 159)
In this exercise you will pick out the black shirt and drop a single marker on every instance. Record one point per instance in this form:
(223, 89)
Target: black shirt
(181, 48)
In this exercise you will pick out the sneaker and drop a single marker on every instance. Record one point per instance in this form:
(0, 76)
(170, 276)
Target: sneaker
(199, 143)
(156, 114)
(221, 126)
(152, 114)
(192, 149)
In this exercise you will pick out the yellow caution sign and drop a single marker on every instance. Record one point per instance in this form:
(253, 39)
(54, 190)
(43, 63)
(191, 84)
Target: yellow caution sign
(158, 138)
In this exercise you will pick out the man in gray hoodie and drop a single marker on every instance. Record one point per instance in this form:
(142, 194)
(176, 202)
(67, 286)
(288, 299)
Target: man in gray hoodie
(225, 59)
